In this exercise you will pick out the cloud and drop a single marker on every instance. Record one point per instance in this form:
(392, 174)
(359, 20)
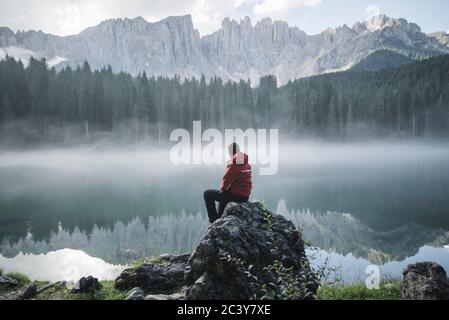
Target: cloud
(372, 11)
(63, 17)
(276, 7)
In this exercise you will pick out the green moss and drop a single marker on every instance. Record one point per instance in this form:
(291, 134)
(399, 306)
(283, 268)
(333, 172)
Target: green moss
(56, 292)
(389, 290)
(268, 218)
(20, 277)
(158, 260)
(137, 263)
(109, 292)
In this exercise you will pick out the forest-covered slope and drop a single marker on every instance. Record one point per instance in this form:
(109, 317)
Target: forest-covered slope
(38, 104)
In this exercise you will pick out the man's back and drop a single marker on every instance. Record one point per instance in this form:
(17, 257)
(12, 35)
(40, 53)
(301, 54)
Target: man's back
(238, 176)
(235, 186)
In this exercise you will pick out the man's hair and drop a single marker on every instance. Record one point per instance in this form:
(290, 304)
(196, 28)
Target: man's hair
(234, 147)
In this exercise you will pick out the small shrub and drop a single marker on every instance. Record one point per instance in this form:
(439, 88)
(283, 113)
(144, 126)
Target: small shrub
(389, 290)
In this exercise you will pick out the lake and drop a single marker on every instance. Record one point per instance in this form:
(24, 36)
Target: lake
(96, 210)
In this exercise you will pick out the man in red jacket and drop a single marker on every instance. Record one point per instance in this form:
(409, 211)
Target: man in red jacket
(235, 186)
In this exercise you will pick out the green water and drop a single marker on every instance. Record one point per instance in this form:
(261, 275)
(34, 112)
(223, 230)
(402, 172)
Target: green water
(119, 204)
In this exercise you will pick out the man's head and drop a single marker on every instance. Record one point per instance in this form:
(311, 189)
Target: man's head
(233, 148)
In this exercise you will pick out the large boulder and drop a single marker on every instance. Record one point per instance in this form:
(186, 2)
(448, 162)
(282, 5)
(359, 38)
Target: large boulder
(87, 285)
(136, 294)
(425, 281)
(29, 292)
(164, 274)
(250, 253)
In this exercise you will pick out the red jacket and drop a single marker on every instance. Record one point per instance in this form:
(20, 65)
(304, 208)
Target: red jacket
(237, 178)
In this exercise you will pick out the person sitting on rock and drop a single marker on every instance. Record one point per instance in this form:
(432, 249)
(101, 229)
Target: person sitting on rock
(235, 185)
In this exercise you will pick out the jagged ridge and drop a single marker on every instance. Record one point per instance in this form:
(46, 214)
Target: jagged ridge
(238, 50)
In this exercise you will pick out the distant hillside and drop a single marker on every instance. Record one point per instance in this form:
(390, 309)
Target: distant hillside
(408, 101)
(382, 59)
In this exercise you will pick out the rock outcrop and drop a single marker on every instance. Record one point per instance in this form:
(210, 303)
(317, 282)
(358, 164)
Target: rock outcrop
(425, 281)
(136, 294)
(162, 275)
(86, 285)
(29, 292)
(8, 283)
(248, 253)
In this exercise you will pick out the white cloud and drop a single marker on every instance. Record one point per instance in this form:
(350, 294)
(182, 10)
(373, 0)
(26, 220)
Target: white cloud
(372, 11)
(65, 17)
(276, 7)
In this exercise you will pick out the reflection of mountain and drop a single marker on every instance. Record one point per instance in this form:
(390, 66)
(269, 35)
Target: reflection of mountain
(342, 233)
(337, 232)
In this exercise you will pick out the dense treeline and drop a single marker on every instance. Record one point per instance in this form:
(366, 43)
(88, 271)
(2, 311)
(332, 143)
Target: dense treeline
(410, 101)
(39, 104)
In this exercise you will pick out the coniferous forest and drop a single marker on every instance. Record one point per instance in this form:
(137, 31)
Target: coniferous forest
(41, 105)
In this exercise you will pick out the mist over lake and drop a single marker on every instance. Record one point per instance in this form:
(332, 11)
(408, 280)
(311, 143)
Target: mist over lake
(379, 202)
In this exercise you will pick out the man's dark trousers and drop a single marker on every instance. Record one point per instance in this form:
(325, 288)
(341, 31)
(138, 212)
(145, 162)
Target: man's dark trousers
(223, 198)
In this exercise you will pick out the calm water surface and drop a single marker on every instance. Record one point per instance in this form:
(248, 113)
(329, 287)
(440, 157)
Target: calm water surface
(359, 204)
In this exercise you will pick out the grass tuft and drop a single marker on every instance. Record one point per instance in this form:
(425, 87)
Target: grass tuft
(20, 277)
(389, 290)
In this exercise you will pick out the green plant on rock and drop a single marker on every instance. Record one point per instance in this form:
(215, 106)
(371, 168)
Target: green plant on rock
(159, 260)
(278, 282)
(235, 262)
(261, 204)
(268, 216)
(137, 263)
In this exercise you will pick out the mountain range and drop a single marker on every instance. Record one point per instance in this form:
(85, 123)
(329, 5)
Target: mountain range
(238, 50)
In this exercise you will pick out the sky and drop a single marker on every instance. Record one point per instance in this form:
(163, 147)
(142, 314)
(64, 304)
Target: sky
(64, 17)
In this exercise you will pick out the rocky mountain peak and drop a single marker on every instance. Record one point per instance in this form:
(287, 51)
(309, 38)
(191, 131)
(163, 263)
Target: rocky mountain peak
(441, 36)
(380, 22)
(5, 31)
(238, 50)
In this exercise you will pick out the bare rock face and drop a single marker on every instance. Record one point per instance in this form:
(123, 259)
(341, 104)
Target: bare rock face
(238, 50)
(163, 297)
(162, 275)
(425, 281)
(86, 285)
(136, 294)
(29, 292)
(442, 37)
(7, 282)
